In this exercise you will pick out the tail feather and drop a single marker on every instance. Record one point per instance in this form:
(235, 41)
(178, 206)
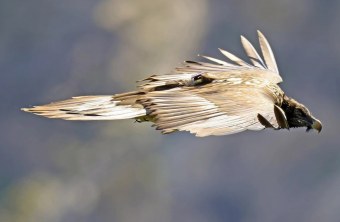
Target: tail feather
(88, 108)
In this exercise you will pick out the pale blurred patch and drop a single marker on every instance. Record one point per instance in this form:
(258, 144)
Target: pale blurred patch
(118, 168)
(154, 36)
(43, 197)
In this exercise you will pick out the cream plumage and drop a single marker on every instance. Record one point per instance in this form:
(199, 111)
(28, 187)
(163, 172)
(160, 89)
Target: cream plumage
(203, 98)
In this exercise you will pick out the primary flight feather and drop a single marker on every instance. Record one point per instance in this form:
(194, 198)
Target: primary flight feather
(218, 98)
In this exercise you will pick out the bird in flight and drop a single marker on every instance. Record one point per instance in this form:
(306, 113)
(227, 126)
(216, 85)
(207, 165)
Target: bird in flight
(204, 98)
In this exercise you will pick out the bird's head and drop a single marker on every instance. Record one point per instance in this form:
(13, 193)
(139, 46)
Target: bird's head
(299, 116)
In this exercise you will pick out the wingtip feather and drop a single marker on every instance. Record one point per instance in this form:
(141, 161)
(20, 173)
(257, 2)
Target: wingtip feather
(267, 52)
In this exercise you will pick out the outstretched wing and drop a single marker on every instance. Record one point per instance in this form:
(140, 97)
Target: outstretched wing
(213, 109)
(231, 96)
(264, 69)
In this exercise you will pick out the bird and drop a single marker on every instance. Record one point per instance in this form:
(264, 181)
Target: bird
(210, 98)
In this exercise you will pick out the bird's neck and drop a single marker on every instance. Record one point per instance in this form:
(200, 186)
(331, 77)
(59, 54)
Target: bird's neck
(289, 106)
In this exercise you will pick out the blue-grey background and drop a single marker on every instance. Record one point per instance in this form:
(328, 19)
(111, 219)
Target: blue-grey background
(54, 170)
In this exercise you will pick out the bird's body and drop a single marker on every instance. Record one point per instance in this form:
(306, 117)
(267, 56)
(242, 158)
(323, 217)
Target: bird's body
(203, 98)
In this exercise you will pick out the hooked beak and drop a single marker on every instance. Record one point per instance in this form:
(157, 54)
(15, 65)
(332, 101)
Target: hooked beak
(317, 125)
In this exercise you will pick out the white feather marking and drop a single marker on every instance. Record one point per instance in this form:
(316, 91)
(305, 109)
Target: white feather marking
(254, 57)
(224, 63)
(267, 53)
(234, 58)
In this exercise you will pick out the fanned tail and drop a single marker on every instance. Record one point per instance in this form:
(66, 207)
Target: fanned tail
(89, 108)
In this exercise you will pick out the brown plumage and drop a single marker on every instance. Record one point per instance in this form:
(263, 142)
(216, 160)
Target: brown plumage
(216, 98)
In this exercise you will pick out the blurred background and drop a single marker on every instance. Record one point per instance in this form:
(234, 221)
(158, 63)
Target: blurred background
(54, 170)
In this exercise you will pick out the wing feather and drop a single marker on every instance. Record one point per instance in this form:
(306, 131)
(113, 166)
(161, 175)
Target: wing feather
(234, 58)
(217, 109)
(218, 61)
(254, 57)
(88, 108)
(267, 53)
(263, 68)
